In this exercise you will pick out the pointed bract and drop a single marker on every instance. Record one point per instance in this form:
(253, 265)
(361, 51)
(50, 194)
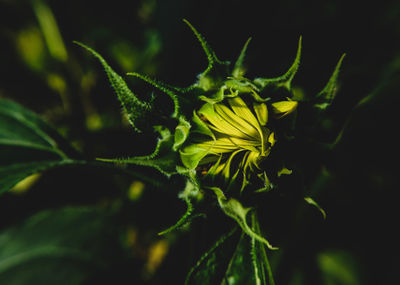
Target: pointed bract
(183, 220)
(325, 97)
(211, 56)
(238, 69)
(135, 109)
(312, 202)
(286, 79)
(205, 81)
(163, 88)
(164, 159)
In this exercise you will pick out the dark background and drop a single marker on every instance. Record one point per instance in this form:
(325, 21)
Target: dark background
(357, 185)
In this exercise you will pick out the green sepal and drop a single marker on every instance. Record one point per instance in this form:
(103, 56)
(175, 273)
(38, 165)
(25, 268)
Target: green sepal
(244, 85)
(200, 126)
(182, 221)
(312, 202)
(234, 209)
(238, 68)
(208, 79)
(191, 155)
(285, 80)
(164, 159)
(164, 88)
(181, 133)
(325, 97)
(137, 111)
(241, 84)
(216, 97)
(189, 194)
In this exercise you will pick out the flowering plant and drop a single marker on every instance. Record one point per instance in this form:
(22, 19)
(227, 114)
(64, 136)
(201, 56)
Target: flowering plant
(226, 133)
(230, 137)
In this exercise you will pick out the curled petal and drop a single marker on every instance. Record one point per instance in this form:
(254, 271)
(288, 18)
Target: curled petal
(283, 108)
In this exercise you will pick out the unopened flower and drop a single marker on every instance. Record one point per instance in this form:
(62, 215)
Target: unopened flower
(237, 137)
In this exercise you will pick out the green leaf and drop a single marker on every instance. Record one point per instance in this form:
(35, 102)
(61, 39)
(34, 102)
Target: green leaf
(138, 111)
(249, 264)
(339, 268)
(325, 97)
(245, 266)
(164, 158)
(233, 262)
(240, 269)
(262, 268)
(284, 80)
(212, 265)
(64, 246)
(28, 145)
(234, 209)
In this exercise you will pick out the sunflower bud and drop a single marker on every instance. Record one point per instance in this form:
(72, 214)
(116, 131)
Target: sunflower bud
(236, 137)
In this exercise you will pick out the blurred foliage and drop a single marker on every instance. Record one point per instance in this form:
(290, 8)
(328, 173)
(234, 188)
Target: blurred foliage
(44, 71)
(58, 247)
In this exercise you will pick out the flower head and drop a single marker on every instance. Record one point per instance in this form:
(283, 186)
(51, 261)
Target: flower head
(238, 137)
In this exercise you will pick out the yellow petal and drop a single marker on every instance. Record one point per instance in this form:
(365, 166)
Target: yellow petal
(240, 108)
(283, 108)
(236, 121)
(284, 171)
(214, 167)
(271, 139)
(220, 145)
(251, 161)
(246, 144)
(261, 112)
(209, 159)
(218, 123)
(227, 168)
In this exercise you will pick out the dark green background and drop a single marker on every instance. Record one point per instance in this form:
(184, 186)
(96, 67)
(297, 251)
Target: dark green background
(359, 187)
